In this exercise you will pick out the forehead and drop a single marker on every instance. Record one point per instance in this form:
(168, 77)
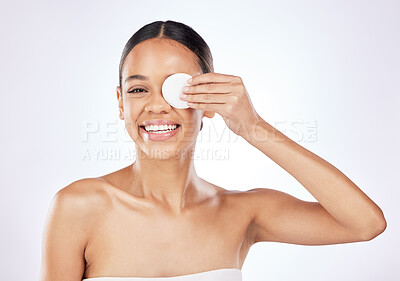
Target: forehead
(158, 56)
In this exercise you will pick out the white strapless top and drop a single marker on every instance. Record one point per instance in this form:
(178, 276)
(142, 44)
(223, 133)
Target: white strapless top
(223, 274)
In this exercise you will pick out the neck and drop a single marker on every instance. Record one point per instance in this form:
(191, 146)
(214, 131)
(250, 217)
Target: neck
(172, 182)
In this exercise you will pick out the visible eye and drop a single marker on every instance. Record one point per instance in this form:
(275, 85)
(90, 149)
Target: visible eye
(137, 90)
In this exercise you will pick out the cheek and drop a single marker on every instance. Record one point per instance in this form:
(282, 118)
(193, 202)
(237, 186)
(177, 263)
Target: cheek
(132, 115)
(191, 117)
(195, 116)
(133, 109)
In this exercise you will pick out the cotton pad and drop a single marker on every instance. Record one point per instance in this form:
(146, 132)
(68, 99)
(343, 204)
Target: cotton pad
(172, 89)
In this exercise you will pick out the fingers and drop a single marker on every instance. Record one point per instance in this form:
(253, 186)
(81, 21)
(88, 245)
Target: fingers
(206, 98)
(214, 77)
(208, 88)
(218, 108)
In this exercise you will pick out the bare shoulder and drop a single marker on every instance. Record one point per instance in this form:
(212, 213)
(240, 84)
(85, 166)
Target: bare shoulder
(82, 192)
(83, 199)
(268, 199)
(82, 186)
(237, 197)
(69, 223)
(223, 193)
(77, 203)
(250, 196)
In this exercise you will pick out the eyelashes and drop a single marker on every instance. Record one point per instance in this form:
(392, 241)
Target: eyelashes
(133, 91)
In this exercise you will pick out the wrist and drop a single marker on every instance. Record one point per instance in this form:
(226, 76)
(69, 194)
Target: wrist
(252, 128)
(260, 131)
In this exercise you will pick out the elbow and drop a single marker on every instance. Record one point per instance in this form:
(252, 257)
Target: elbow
(376, 228)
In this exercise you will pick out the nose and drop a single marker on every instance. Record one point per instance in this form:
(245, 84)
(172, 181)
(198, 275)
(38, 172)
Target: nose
(157, 103)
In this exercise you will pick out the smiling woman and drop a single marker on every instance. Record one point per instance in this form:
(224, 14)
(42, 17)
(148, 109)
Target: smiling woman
(157, 218)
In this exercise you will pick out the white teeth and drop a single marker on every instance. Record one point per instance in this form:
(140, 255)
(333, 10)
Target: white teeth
(160, 128)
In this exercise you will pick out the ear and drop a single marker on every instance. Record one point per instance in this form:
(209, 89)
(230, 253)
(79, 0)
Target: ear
(120, 103)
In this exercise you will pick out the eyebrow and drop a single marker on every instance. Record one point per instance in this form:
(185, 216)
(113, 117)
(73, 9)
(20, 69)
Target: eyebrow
(141, 77)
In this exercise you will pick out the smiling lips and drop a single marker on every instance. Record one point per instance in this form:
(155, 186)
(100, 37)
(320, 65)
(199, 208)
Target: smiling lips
(158, 122)
(159, 129)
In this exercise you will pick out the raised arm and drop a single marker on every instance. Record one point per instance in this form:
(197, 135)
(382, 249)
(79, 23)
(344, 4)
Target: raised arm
(342, 214)
(65, 236)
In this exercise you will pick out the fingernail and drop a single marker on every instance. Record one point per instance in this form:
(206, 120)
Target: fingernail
(190, 80)
(185, 89)
(183, 96)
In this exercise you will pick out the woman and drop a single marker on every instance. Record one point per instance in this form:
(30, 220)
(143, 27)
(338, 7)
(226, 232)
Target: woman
(157, 217)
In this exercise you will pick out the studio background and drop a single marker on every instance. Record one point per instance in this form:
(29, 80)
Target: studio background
(325, 73)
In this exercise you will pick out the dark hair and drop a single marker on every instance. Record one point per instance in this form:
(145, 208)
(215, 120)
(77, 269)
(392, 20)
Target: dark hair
(171, 30)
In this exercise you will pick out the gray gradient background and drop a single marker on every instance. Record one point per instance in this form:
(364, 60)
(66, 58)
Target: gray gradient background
(326, 73)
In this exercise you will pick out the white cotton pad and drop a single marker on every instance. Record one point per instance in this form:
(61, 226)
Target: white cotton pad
(172, 89)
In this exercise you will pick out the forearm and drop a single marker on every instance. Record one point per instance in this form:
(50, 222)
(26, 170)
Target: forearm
(333, 190)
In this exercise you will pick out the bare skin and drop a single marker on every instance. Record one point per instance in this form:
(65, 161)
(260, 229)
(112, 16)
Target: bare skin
(158, 218)
(147, 239)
